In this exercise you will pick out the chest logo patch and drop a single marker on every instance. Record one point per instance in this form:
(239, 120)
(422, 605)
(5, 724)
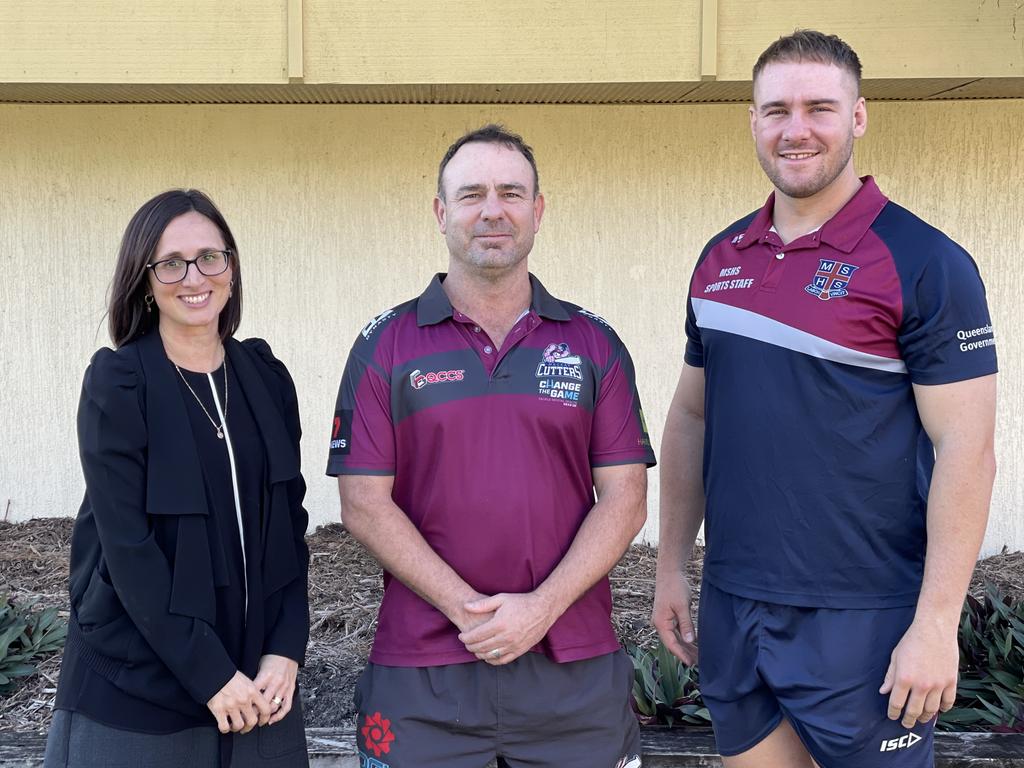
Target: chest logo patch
(559, 353)
(831, 279)
(560, 373)
(419, 380)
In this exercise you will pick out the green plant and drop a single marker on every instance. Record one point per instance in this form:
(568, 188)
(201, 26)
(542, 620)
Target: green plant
(24, 636)
(990, 696)
(665, 691)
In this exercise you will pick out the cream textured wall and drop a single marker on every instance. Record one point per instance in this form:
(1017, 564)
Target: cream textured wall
(331, 208)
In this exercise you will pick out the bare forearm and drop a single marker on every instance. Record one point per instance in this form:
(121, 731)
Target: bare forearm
(607, 531)
(682, 490)
(400, 548)
(958, 503)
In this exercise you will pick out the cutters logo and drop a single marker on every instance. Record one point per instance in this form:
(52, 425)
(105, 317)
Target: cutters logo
(377, 734)
(419, 380)
(556, 363)
(904, 741)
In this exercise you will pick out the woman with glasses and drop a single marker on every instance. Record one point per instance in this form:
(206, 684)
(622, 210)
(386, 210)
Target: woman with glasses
(189, 614)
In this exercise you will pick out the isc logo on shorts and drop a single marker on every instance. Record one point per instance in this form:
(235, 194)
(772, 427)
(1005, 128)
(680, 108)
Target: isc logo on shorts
(907, 740)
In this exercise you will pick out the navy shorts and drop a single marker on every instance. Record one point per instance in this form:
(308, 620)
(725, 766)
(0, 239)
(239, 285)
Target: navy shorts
(820, 668)
(531, 712)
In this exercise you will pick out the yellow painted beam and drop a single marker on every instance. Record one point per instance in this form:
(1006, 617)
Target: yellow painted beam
(708, 39)
(473, 41)
(143, 41)
(295, 39)
(894, 38)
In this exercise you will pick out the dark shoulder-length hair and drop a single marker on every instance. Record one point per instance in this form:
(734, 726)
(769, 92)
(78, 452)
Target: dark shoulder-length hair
(126, 311)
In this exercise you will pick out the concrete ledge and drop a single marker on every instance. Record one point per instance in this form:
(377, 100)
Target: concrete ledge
(663, 748)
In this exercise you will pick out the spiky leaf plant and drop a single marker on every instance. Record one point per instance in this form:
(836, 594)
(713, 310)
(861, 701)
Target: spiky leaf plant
(26, 636)
(665, 691)
(990, 695)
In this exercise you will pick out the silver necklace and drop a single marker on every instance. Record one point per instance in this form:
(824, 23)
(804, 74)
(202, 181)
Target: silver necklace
(216, 426)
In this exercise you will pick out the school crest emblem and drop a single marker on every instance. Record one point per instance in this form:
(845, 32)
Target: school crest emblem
(831, 279)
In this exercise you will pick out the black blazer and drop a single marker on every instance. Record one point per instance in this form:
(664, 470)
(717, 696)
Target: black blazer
(143, 564)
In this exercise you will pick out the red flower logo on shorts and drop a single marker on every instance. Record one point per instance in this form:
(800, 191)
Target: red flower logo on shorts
(377, 734)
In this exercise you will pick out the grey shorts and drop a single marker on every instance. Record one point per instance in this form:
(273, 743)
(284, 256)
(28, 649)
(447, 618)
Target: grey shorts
(532, 712)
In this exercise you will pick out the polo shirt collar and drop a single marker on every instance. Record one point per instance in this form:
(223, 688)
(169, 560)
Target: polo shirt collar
(843, 231)
(433, 305)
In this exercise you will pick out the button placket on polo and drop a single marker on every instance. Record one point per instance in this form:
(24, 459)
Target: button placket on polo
(780, 255)
(523, 328)
(776, 262)
(480, 342)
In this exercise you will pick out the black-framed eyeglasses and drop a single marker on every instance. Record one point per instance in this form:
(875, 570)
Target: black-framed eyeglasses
(173, 270)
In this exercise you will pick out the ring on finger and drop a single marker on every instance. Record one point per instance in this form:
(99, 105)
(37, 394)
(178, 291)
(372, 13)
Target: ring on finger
(277, 700)
(495, 654)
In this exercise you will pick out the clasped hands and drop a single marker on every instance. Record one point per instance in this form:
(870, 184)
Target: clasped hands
(500, 628)
(243, 704)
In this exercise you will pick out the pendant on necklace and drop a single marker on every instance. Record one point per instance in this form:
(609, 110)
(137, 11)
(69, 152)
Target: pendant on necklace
(220, 435)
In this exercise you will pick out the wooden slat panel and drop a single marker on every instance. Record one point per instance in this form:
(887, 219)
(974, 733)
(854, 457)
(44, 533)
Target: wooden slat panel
(469, 41)
(507, 93)
(515, 93)
(894, 39)
(143, 41)
(988, 88)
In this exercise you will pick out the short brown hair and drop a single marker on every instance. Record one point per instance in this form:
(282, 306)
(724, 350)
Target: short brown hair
(811, 45)
(492, 133)
(127, 317)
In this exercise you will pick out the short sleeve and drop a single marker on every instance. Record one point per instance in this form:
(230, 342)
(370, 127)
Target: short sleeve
(619, 434)
(946, 332)
(362, 440)
(694, 354)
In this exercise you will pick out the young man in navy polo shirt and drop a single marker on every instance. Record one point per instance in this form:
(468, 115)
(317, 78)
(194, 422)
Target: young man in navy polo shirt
(474, 424)
(836, 409)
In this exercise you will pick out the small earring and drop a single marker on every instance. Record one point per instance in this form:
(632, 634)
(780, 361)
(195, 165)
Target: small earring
(149, 302)
(231, 292)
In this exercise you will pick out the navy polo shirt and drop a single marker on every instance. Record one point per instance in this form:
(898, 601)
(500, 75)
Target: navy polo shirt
(816, 466)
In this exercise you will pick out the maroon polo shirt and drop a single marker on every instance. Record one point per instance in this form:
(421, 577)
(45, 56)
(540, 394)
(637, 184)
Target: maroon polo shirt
(492, 453)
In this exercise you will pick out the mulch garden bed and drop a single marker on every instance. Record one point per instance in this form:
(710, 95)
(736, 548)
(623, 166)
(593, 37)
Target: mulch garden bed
(344, 591)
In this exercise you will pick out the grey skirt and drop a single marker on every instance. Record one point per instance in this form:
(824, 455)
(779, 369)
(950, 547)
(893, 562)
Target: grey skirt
(75, 741)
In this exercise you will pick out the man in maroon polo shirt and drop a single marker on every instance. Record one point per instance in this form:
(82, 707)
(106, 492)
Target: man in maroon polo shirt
(473, 426)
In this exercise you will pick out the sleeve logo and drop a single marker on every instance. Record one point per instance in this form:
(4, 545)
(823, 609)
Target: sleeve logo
(341, 433)
(374, 324)
(969, 340)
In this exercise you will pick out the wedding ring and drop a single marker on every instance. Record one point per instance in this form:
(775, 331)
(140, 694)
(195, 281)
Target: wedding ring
(495, 654)
(277, 700)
